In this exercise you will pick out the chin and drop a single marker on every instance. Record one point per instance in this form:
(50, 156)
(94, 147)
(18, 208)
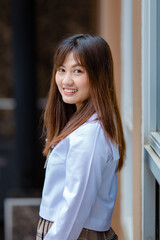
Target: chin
(68, 102)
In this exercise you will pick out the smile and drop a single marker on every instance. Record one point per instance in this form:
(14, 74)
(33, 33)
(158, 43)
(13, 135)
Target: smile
(67, 90)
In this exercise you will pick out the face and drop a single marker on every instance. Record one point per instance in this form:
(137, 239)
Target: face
(72, 81)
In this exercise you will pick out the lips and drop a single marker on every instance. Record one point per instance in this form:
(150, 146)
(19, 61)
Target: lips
(69, 90)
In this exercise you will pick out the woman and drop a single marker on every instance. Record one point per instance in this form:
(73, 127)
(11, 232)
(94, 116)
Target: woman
(85, 143)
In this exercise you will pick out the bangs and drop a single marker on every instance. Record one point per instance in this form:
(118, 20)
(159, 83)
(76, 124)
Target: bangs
(63, 52)
(78, 57)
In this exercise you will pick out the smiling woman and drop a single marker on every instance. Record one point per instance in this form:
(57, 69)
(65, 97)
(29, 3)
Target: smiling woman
(85, 143)
(73, 81)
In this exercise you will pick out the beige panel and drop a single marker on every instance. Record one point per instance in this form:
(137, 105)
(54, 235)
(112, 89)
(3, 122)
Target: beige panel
(110, 30)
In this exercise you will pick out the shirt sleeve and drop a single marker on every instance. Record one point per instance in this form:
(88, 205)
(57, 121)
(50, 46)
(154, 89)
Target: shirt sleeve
(84, 165)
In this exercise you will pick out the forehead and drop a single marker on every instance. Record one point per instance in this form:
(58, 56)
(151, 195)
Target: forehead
(64, 56)
(71, 58)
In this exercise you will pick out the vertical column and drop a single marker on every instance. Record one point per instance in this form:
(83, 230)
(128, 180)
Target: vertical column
(24, 78)
(110, 30)
(137, 115)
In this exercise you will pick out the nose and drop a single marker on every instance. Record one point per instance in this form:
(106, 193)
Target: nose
(67, 79)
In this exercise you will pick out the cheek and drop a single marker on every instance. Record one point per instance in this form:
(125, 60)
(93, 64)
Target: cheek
(57, 80)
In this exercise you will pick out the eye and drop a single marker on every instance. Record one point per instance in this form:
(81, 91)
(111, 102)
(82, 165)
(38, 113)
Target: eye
(60, 69)
(77, 71)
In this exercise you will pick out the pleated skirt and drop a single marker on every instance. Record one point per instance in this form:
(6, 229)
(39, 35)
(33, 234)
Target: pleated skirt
(86, 234)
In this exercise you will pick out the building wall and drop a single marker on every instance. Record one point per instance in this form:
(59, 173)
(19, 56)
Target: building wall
(110, 29)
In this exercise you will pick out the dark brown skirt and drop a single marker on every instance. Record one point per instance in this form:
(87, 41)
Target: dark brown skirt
(86, 234)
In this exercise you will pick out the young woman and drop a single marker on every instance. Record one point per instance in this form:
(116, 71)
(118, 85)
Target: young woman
(85, 143)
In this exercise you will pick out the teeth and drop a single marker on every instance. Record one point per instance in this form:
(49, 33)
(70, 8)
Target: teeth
(70, 90)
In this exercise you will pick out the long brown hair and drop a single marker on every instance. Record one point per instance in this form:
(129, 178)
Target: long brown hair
(60, 119)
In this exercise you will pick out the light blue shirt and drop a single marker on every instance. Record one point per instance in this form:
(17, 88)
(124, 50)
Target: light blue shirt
(81, 183)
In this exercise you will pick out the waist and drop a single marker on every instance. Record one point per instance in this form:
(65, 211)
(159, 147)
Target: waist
(93, 222)
(45, 225)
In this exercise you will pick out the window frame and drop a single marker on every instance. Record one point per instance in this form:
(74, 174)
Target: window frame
(150, 115)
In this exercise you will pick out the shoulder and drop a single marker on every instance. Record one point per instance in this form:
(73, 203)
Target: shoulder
(91, 136)
(87, 131)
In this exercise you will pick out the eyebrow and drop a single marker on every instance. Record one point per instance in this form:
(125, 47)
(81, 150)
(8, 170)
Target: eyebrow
(73, 66)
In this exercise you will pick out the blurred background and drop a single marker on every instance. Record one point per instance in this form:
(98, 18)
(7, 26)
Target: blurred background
(29, 32)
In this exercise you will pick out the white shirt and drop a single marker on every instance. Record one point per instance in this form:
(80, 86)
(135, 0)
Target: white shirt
(81, 183)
